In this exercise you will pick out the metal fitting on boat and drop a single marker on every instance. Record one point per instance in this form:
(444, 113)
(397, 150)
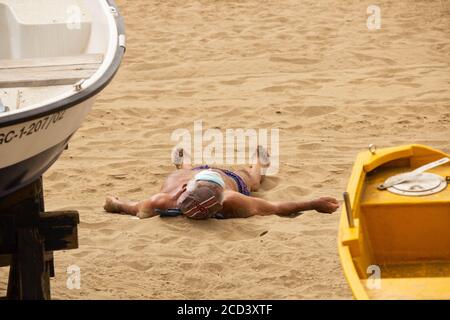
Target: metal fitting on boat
(372, 148)
(348, 209)
(123, 41)
(79, 84)
(3, 108)
(114, 11)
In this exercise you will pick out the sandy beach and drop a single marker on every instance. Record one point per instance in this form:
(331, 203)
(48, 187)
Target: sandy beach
(311, 69)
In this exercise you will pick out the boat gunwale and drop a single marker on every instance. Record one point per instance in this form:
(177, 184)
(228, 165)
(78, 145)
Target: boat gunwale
(346, 258)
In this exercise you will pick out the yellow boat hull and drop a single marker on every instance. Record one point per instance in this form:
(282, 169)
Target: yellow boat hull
(399, 246)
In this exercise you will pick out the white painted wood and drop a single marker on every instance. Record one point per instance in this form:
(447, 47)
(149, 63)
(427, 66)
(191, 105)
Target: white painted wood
(30, 95)
(53, 61)
(43, 72)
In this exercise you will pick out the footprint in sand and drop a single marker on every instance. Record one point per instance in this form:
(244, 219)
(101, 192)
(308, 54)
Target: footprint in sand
(317, 111)
(321, 232)
(270, 183)
(81, 254)
(309, 146)
(139, 266)
(234, 81)
(295, 60)
(138, 248)
(296, 190)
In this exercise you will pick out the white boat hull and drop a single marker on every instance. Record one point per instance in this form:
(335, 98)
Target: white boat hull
(32, 137)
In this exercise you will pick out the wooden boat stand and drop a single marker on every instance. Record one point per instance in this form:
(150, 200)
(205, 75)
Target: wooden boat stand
(28, 237)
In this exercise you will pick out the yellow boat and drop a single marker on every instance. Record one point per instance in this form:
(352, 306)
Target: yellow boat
(394, 233)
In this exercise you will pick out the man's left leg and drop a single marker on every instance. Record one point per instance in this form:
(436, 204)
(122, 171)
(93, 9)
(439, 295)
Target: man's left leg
(254, 175)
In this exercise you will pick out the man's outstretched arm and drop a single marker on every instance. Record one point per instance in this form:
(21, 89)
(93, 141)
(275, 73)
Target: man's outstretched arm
(237, 205)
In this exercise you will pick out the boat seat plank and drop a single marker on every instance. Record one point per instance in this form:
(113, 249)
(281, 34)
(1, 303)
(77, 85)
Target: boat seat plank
(51, 71)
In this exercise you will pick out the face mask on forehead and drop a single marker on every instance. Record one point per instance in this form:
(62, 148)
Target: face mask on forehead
(210, 176)
(191, 185)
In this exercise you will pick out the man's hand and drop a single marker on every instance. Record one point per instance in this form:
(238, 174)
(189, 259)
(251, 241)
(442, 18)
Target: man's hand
(325, 205)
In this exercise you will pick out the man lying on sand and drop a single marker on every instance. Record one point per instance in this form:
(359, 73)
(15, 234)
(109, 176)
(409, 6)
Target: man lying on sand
(204, 192)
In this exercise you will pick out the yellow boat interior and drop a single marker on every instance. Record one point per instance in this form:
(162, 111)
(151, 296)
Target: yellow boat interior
(399, 246)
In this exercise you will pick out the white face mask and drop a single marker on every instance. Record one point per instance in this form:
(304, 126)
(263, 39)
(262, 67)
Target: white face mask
(191, 185)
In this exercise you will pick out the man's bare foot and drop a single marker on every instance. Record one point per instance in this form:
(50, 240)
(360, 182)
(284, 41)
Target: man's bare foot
(181, 158)
(112, 204)
(325, 205)
(263, 157)
(177, 157)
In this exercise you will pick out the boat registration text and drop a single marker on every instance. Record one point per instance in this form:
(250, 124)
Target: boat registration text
(31, 128)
